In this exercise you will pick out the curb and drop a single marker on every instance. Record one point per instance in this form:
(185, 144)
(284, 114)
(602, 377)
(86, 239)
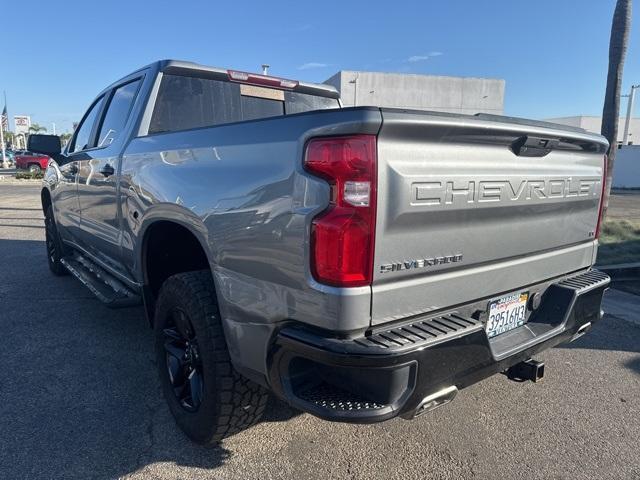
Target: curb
(13, 181)
(9, 178)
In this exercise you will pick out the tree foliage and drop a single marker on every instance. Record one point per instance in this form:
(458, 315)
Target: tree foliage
(37, 128)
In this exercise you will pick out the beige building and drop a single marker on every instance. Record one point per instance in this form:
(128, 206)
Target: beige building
(422, 92)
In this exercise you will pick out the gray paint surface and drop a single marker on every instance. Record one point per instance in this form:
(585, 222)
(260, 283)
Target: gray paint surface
(242, 188)
(447, 186)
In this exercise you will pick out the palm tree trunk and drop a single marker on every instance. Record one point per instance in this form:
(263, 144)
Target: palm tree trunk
(620, 28)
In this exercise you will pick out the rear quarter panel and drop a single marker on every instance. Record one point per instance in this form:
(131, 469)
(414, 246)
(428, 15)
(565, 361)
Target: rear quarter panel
(243, 189)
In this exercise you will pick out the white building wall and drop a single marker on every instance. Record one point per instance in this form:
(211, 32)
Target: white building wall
(593, 124)
(422, 92)
(626, 171)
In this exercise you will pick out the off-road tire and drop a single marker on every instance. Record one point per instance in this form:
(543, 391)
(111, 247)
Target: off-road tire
(34, 168)
(230, 403)
(55, 247)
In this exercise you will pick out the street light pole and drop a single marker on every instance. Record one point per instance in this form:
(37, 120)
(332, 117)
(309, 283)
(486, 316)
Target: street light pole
(632, 94)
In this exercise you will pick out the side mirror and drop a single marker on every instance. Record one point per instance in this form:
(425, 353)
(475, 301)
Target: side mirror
(47, 144)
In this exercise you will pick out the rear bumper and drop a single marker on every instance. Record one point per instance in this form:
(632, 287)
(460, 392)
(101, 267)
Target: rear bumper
(390, 372)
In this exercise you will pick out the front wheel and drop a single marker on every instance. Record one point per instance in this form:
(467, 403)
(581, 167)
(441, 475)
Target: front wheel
(207, 397)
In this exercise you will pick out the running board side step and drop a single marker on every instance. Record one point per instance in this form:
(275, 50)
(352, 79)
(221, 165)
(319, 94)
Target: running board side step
(109, 290)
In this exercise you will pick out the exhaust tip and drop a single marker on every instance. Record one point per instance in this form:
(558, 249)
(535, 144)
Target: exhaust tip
(435, 400)
(581, 331)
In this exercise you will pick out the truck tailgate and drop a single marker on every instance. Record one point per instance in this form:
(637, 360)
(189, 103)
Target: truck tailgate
(470, 207)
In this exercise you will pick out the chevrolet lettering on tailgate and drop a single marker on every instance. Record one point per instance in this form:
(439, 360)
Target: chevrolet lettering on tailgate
(484, 191)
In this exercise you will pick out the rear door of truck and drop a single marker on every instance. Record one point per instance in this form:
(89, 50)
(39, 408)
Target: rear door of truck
(471, 207)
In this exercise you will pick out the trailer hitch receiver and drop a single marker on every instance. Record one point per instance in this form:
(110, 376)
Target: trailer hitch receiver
(528, 370)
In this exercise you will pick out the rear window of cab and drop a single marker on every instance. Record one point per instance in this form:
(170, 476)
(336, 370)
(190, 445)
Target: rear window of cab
(186, 102)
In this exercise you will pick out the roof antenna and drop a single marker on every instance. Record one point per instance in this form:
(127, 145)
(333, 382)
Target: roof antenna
(265, 69)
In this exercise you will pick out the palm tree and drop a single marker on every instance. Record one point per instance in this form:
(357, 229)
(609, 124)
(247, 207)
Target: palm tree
(36, 128)
(8, 138)
(65, 137)
(620, 28)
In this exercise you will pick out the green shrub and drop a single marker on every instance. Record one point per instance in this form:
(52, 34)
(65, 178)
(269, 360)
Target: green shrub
(619, 242)
(29, 176)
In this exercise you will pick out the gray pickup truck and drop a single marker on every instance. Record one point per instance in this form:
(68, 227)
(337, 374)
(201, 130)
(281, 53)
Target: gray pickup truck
(360, 263)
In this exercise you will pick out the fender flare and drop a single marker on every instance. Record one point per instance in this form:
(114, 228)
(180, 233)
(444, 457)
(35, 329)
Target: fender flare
(165, 213)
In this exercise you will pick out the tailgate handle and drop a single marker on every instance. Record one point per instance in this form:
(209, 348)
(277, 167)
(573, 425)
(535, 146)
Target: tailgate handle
(529, 146)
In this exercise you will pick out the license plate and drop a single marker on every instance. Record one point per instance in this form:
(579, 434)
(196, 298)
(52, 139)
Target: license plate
(507, 313)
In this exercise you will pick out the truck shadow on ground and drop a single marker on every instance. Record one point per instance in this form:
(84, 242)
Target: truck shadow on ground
(611, 333)
(79, 393)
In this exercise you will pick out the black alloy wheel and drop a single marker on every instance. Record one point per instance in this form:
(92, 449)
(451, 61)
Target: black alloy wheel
(50, 238)
(55, 249)
(207, 397)
(183, 361)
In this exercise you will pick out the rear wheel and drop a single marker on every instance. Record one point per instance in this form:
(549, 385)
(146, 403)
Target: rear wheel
(55, 248)
(35, 168)
(207, 397)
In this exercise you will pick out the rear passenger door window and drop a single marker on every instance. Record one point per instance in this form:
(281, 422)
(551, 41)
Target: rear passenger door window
(117, 112)
(83, 139)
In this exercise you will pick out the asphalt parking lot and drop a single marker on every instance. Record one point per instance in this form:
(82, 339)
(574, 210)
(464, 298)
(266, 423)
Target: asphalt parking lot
(79, 398)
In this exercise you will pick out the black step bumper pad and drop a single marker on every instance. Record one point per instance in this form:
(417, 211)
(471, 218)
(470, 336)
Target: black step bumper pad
(388, 372)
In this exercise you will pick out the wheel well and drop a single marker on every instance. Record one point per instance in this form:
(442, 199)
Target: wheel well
(170, 248)
(45, 198)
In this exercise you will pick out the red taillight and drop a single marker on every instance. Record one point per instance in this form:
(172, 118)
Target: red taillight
(264, 80)
(342, 237)
(602, 196)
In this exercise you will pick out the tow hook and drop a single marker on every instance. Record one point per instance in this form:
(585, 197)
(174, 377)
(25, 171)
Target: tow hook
(528, 370)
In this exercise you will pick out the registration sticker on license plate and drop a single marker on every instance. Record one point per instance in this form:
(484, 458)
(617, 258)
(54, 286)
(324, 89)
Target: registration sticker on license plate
(507, 313)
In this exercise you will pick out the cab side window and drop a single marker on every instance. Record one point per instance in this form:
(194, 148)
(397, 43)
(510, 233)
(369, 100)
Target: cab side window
(118, 112)
(83, 132)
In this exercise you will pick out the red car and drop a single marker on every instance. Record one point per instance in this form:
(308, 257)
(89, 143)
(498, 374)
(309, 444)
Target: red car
(34, 162)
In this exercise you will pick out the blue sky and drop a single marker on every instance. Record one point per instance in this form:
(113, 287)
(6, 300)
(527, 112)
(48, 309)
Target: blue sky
(552, 53)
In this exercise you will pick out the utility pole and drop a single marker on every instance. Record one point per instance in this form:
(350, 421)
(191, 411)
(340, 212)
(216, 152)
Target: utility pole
(54, 127)
(632, 95)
